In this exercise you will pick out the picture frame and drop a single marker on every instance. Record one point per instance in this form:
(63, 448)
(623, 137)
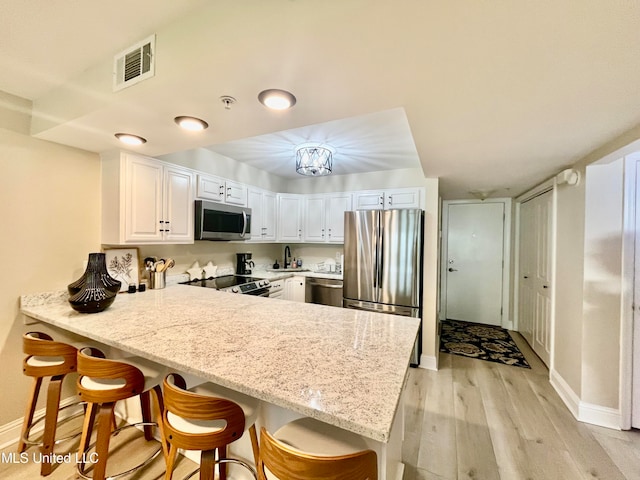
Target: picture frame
(123, 264)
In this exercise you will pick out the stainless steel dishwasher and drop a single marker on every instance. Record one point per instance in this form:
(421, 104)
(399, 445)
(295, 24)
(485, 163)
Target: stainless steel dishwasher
(325, 291)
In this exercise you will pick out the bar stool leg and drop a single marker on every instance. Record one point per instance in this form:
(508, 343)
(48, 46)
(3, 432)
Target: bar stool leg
(159, 404)
(254, 444)
(87, 430)
(103, 435)
(171, 461)
(145, 406)
(208, 464)
(31, 408)
(54, 391)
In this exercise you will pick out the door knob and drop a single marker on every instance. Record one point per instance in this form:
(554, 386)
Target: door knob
(453, 269)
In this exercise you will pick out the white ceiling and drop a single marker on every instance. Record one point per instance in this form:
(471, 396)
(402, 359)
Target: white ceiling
(495, 95)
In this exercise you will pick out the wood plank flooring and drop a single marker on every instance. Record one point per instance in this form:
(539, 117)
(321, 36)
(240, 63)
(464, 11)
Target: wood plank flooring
(470, 420)
(480, 420)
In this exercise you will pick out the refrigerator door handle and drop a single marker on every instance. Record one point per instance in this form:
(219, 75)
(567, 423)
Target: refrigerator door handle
(380, 267)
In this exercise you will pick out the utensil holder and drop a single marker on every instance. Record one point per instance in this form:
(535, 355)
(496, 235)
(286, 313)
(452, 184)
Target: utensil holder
(157, 280)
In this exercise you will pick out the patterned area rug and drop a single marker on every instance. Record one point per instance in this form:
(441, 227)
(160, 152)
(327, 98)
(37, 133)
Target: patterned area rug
(476, 340)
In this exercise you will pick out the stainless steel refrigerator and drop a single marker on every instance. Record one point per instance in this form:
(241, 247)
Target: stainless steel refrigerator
(382, 268)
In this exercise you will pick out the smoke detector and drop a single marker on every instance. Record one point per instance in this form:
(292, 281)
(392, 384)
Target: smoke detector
(134, 64)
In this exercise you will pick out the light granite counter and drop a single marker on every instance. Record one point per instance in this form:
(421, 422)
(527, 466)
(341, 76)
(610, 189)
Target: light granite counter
(342, 366)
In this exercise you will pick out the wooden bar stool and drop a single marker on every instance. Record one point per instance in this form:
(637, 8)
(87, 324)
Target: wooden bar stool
(206, 418)
(46, 358)
(101, 384)
(307, 449)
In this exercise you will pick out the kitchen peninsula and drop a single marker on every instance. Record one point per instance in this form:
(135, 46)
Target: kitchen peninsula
(344, 367)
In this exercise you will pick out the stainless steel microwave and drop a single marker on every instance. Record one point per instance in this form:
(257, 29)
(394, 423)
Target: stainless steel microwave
(216, 221)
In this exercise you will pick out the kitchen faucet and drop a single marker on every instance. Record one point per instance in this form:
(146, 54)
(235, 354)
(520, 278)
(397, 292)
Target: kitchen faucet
(287, 256)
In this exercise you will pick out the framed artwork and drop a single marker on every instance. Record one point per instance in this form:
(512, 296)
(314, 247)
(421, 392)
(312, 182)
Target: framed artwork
(123, 265)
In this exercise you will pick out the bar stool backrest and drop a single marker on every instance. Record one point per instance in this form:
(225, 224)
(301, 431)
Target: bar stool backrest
(46, 357)
(93, 365)
(192, 406)
(287, 463)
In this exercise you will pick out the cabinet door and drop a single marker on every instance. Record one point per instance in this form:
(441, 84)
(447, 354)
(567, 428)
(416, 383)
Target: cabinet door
(211, 188)
(294, 289)
(369, 200)
(235, 193)
(289, 211)
(254, 202)
(178, 205)
(402, 198)
(315, 218)
(336, 206)
(143, 200)
(269, 216)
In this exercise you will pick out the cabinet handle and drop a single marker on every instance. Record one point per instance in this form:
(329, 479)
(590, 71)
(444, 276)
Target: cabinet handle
(381, 199)
(221, 190)
(390, 198)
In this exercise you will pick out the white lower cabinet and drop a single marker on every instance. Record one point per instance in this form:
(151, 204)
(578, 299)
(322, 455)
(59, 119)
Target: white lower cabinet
(145, 201)
(294, 289)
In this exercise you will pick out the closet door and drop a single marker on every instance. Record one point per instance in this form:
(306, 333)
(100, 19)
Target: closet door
(534, 304)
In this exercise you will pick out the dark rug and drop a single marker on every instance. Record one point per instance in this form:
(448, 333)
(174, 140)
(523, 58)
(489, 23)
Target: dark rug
(476, 340)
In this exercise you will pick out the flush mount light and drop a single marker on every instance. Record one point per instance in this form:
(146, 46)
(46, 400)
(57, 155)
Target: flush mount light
(315, 160)
(191, 123)
(130, 139)
(276, 99)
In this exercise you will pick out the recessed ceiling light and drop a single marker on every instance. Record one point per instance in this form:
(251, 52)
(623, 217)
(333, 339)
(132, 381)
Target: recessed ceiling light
(191, 123)
(130, 139)
(276, 99)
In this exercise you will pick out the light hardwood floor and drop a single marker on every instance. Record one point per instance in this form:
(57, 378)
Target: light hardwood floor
(472, 419)
(481, 420)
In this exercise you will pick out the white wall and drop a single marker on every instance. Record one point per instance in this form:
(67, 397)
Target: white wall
(602, 284)
(49, 205)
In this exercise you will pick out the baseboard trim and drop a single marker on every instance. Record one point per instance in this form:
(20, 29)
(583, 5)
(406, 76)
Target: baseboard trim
(566, 393)
(601, 416)
(583, 411)
(429, 362)
(10, 432)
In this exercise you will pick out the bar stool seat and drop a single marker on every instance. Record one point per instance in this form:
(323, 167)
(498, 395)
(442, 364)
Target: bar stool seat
(101, 384)
(46, 358)
(307, 449)
(207, 417)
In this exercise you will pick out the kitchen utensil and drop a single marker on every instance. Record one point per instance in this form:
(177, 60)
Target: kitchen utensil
(157, 265)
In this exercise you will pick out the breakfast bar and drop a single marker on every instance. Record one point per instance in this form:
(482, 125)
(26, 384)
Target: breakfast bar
(341, 366)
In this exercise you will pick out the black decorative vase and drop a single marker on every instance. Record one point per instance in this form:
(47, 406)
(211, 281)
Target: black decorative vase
(96, 289)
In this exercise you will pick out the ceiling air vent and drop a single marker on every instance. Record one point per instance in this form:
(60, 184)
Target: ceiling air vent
(135, 64)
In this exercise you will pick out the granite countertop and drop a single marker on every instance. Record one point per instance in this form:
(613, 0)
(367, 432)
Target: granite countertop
(344, 367)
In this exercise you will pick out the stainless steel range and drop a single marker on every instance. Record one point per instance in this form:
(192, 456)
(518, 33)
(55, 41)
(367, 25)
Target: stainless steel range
(235, 284)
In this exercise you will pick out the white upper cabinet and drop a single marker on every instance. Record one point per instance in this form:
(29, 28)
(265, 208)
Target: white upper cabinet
(337, 204)
(145, 201)
(289, 218)
(263, 214)
(324, 217)
(314, 213)
(218, 189)
(389, 199)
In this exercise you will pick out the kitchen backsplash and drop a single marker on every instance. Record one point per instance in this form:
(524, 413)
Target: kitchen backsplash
(223, 254)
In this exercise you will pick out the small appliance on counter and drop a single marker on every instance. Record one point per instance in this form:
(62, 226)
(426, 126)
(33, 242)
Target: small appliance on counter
(244, 264)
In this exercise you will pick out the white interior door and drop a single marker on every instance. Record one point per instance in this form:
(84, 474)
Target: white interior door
(635, 382)
(534, 286)
(474, 262)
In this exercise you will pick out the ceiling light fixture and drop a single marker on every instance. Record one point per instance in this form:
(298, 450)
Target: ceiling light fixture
(130, 139)
(314, 160)
(276, 99)
(191, 123)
